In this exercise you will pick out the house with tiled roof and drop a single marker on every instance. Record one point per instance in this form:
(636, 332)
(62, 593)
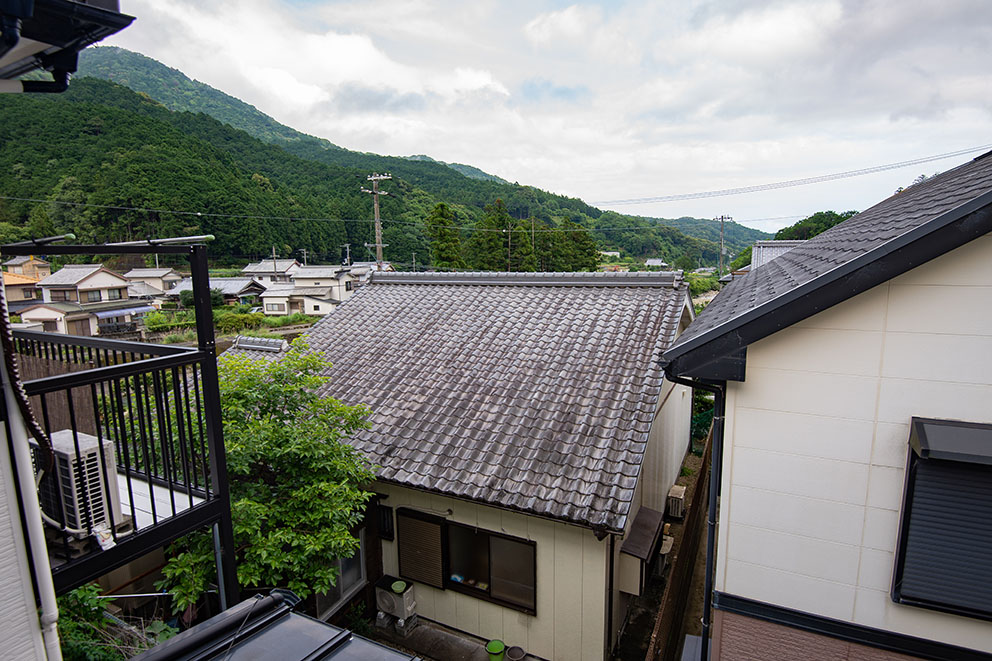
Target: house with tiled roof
(269, 271)
(85, 299)
(852, 444)
(21, 291)
(162, 279)
(523, 431)
(30, 266)
(234, 290)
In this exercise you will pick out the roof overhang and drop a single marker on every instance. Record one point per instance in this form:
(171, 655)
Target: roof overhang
(719, 353)
(48, 34)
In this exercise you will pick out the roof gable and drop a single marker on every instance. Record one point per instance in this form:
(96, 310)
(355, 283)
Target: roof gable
(896, 235)
(533, 392)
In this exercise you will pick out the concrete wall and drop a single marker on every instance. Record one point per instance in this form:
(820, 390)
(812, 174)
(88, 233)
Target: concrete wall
(817, 443)
(571, 581)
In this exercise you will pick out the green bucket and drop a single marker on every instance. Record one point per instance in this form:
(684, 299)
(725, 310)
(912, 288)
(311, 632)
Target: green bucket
(496, 648)
(398, 586)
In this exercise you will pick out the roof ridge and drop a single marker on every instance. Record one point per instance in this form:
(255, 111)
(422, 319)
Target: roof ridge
(554, 279)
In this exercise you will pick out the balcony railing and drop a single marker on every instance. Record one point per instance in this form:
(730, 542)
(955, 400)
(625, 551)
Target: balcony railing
(137, 442)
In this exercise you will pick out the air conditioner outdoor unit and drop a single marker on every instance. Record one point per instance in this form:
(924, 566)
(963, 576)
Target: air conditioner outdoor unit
(676, 501)
(77, 483)
(400, 606)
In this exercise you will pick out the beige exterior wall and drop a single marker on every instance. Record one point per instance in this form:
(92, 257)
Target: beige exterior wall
(42, 315)
(571, 581)
(667, 445)
(339, 288)
(316, 306)
(21, 293)
(275, 300)
(21, 630)
(817, 443)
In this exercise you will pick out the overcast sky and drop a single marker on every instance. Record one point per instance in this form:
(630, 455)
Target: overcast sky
(611, 100)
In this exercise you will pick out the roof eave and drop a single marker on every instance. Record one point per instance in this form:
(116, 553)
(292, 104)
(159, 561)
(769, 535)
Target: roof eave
(904, 253)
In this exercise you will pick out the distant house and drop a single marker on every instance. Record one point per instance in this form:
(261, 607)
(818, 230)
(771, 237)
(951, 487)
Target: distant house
(522, 425)
(855, 517)
(272, 271)
(763, 252)
(30, 266)
(362, 271)
(235, 290)
(655, 261)
(83, 283)
(162, 279)
(288, 299)
(84, 299)
(610, 253)
(21, 291)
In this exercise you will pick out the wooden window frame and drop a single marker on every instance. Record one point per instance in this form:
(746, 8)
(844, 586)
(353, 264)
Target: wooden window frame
(445, 559)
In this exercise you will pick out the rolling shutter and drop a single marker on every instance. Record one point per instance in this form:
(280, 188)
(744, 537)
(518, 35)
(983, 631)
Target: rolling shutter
(420, 542)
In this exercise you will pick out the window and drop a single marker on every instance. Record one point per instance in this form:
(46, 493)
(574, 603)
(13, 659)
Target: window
(114, 294)
(316, 308)
(351, 578)
(349, 285)
(275, 307)
(386, 522)
(27, 294)
(61, 295)
(93, 296)
(484, 564)
(942, 558)
(50, 326)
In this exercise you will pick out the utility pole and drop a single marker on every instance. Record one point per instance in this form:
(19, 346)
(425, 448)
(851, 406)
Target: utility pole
(719, 273)
(275, 270)
(304, 251)
(414, 262)
(509, 243)
(375, 178)
(347, 249)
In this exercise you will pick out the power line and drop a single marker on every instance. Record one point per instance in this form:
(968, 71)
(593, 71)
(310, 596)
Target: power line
(796, 182)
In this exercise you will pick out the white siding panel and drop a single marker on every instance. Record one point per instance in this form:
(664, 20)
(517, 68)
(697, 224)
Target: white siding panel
(791, 590)
(874, 608)
(854, 352)
(820, 519)
(826, 479)
(541, 634)
(864, 312)
(809, 435)
(881, 529)
(891, 446)
(901, 399)
(967, 266)
(876, 569)
(794, 553)
(594, 570)
(810, 393)
(568, 590)
(885, 487)
(930, 357)
(938, 309)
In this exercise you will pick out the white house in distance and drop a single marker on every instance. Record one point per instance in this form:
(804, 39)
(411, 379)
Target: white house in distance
(856, 476)
(315, 290)
(270, 271)
(82, 299)
(162, 279)
(522, 427)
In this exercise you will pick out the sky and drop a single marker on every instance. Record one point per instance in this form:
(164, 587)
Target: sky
(616, 100)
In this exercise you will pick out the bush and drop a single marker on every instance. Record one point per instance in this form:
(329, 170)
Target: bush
(156, 321)
(169, 305)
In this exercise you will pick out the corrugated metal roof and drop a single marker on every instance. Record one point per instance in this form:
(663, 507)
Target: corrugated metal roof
(318, 272)
(763, 252)
(533, 392)
(149, 273)
(266, 266)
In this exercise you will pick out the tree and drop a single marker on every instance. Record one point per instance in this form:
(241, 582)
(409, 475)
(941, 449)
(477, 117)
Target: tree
(809, 227)
(216, 298)
(297, 489)
(743, 259)
(582, 250)
(446, 248)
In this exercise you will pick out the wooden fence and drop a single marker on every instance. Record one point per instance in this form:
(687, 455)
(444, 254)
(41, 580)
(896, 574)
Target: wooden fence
(666, 639)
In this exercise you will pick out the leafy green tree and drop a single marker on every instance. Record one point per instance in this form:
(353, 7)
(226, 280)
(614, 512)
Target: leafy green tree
(446, 248)
(297, 488)
(583, 254)
(810, 226)
(743, 259)
(216, 298)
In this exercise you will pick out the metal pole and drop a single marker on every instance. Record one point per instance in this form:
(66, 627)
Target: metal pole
(227, 576)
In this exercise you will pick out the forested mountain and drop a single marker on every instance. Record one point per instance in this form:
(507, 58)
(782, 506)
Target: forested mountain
(102, 145)
(177, 92)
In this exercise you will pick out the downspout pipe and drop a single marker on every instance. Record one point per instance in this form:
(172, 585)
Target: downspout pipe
(716, 465)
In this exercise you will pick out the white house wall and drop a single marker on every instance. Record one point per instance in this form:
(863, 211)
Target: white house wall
(46, 314)
(21, 630)
(667, 445)
(571, 581)
(817, 443)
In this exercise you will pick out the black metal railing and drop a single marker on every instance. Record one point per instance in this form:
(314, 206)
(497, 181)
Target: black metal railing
(137, 440)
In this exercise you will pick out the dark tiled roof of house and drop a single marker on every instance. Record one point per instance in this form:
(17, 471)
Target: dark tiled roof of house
(872, 235)
(533, 392)
(227, 286)
(71, 274)
(267, 266)
(23, 259)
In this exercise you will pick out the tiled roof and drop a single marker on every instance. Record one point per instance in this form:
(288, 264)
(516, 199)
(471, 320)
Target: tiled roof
(763, 252)
(318, 272)
(533, 392)
(912, 215)
(70, 274)
(265, 266)
(138, 289)
(149, 273)
(18, 280)
(23, 259)
(227, 286)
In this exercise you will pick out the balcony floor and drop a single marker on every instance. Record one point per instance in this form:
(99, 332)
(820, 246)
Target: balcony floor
(143, 497)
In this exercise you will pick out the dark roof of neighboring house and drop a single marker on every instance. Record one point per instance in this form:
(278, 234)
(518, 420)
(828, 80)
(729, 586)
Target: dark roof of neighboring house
(227, 286)
(533, 392)
(900, 233)
(23, 259)
(73, 274)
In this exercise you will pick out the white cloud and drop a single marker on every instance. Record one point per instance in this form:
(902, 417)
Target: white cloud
(609, 100)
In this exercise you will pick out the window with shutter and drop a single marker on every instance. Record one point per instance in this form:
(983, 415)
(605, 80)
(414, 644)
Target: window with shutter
(421, 544)
(943, 560)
